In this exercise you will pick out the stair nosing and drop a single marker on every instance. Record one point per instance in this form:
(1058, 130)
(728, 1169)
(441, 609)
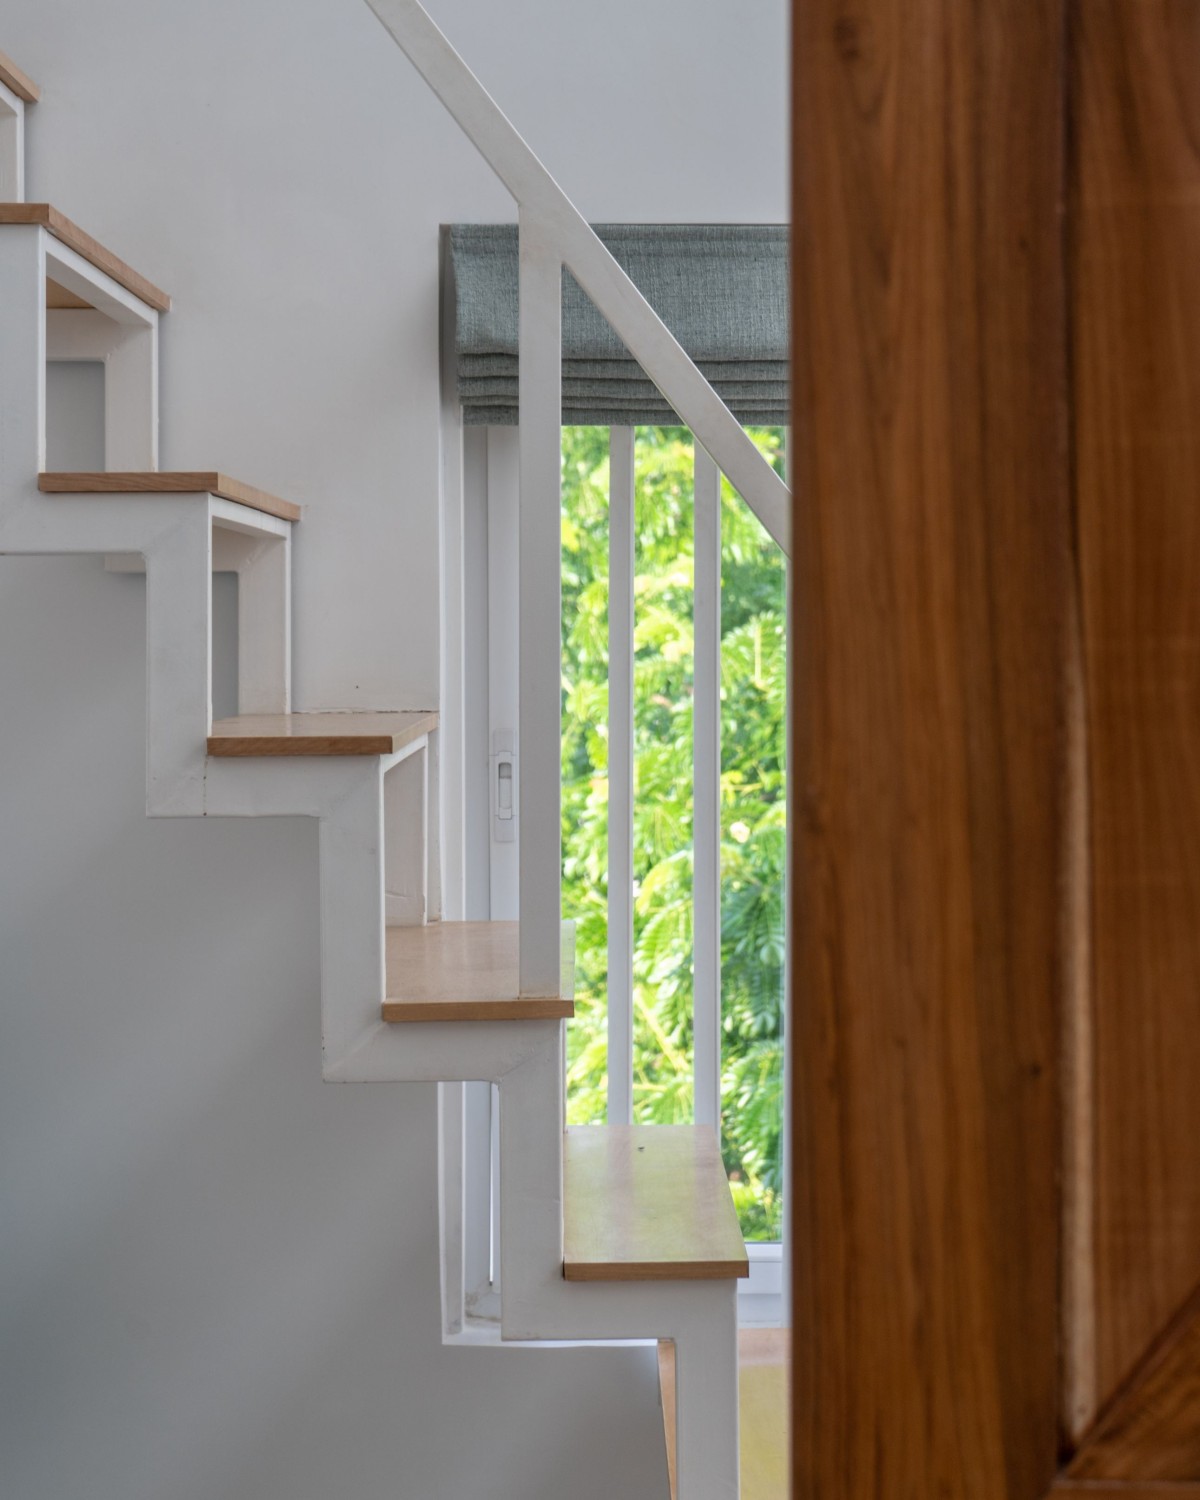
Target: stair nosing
(65, 230)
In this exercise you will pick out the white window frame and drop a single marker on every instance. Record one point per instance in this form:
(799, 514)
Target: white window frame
(479, 633)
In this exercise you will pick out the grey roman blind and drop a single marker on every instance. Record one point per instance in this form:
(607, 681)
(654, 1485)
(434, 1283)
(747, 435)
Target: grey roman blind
(722, 290)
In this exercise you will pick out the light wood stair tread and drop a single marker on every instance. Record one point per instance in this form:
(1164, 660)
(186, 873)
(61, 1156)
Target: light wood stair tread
(648, 1203)
(18, 80)
(83, 244)
(319, 733)
(170, 482)
(468, 971)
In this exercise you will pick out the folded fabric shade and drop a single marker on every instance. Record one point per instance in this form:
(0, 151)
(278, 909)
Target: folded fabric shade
(722, 290)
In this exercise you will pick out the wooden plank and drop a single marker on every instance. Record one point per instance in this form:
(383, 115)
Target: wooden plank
(1135, 247)
(58, 296)
(318, 733)
(1120, 1489)
(931, 547)
(469, 971)
(1150, 1431)
(83, 244)
(18, 81)
(666, 1394)
(648, 1203)
(167, 482)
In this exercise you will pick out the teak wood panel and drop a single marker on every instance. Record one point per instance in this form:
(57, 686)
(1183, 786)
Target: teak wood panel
(469, 971)
(318, 733)
(18, 81)
(931, 550)
(1085, 1489)
(83, 244)
(1135, 248)
(169, 482)
(1150, 1430)
(648, 1203)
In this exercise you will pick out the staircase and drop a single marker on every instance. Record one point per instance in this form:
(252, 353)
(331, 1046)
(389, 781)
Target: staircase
(606, 1232)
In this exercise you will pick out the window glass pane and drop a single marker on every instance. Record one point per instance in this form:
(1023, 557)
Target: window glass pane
(585, 760)
(662, 811)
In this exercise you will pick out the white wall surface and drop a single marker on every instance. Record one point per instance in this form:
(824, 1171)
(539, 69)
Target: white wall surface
(218, 1277)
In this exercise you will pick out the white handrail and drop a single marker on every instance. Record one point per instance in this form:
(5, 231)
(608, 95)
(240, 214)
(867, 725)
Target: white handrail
(635, 322)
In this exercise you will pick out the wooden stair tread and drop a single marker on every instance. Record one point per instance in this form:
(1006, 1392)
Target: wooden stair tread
(18, 80)
(83, 244)
(319, 733)
(648, 1203)
(169, 482)
(468, 971)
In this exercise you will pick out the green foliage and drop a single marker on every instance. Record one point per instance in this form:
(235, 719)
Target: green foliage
(752, 804)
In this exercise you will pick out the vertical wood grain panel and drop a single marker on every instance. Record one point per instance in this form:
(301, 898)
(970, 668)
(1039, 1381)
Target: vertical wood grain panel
(1135, 213)
(932, 543)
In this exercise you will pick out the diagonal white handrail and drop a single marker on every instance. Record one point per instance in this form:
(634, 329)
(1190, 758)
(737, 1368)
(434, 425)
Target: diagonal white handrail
(635, 322)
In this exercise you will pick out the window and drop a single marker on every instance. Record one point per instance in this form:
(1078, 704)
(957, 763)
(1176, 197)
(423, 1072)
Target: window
(677, 1018)
(752, 813)
(752, 807)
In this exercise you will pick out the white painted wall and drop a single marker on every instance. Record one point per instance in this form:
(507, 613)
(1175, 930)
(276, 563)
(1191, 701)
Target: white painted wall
(218, 1277)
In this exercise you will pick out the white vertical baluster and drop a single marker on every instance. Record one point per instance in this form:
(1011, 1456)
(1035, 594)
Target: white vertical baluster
(706, 790)
(620, 775)
(539, 752)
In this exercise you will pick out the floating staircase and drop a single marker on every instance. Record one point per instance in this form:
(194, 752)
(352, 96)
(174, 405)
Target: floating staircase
(605, 1233)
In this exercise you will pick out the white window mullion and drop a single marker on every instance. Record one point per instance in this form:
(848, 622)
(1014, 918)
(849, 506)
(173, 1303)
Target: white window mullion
(706, 790)
(539, 748)
(620, 775)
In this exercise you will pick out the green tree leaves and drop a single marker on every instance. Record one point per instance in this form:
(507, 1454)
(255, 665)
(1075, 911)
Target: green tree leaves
(753, 677)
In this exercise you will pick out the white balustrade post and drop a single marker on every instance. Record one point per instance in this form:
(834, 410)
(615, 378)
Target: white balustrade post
(706, 791)
(539, 753)
(620, 775)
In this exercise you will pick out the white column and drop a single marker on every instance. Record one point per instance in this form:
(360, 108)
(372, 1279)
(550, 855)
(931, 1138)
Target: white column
(178, 657)
(131, 398)
(12, 146)
(620, 775)
(265, 627)
(406, 839)
(353, 966)
(503, 487)
(706, 1400)
(706, 791)
(540, 732)
(22, 361)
